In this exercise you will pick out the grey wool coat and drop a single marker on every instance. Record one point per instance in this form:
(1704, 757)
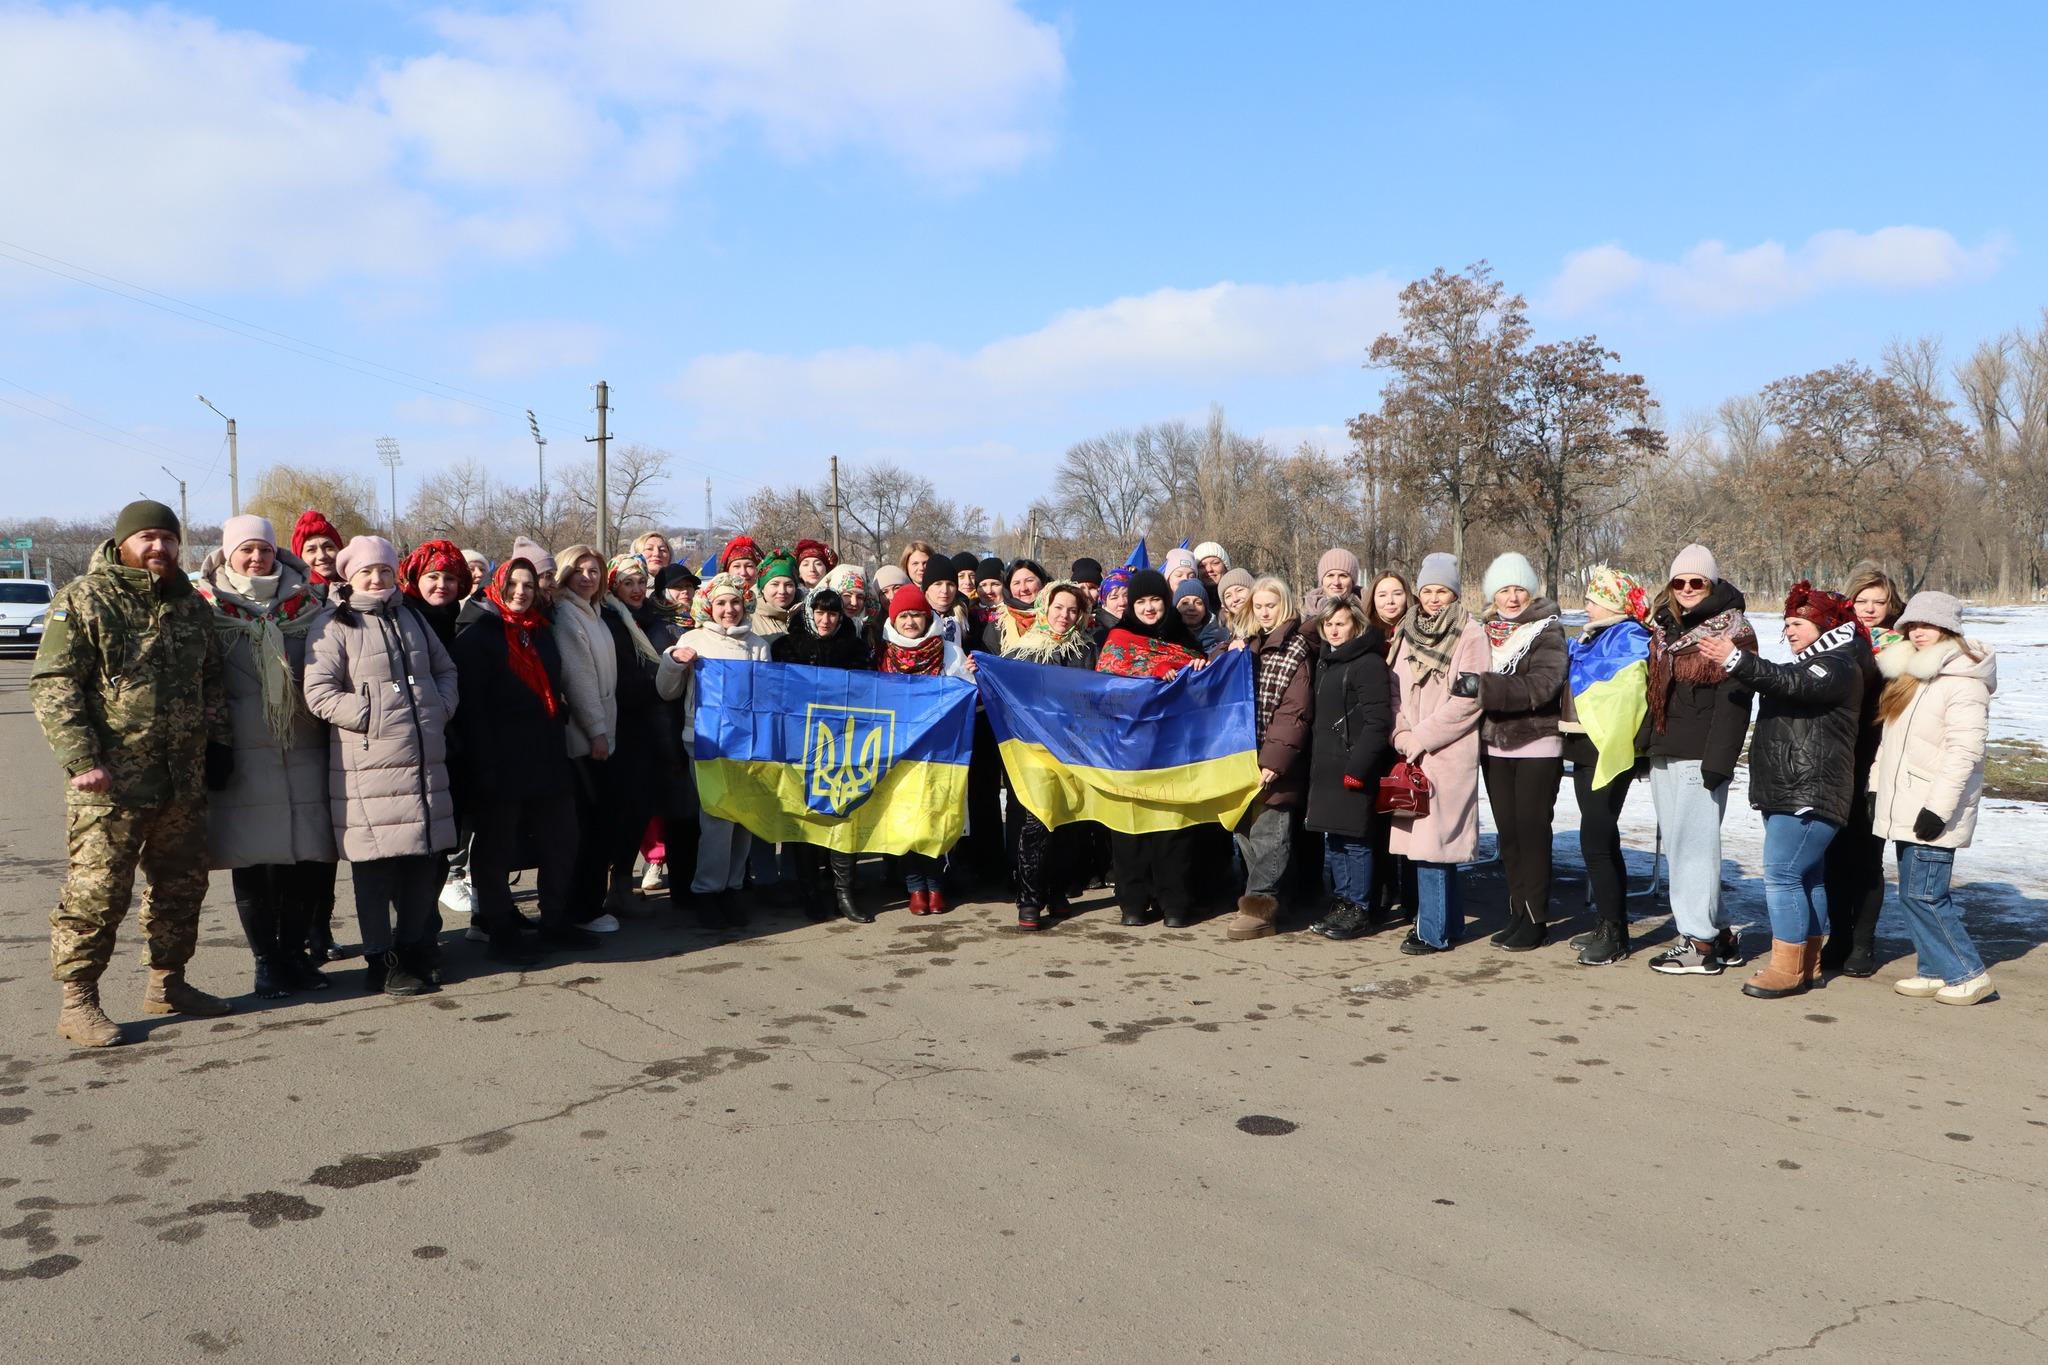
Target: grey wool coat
(387, 687)
(274, 809)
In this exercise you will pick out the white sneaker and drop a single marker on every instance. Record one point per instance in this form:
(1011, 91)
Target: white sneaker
(1919, 987)
(603, 924)
(457, 899)
(1969, 992)
(655, 878)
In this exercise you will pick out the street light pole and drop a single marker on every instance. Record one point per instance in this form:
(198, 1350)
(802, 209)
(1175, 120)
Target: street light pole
(184, 513)
(234, 461)
(540, 489)
(388, 456)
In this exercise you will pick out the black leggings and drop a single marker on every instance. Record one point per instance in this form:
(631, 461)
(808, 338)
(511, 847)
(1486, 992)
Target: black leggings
(547, 825)
(1523, 793)
(1855, 878)
(276, 901)
(1600, 841)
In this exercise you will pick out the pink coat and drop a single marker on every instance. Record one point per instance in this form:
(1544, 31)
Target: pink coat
(1444, 729)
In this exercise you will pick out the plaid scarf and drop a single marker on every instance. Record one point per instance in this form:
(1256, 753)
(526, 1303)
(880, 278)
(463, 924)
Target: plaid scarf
(1431, 640)
(1277, 665)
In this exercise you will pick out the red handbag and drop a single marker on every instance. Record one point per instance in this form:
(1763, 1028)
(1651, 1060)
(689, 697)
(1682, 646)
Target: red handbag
(1404, 791)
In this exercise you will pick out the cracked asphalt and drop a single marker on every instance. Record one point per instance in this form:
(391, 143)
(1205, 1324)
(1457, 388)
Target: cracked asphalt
(945, 1140)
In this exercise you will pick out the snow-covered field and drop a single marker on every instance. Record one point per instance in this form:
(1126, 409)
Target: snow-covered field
(2001, 879)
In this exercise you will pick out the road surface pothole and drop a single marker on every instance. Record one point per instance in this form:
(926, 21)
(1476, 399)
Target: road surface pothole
(1265, 1125)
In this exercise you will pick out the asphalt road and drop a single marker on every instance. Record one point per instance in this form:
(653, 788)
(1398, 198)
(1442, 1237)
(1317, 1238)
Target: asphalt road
(947, 1141)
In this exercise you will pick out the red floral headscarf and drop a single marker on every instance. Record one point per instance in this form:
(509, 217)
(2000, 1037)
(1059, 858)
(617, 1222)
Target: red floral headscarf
(430, 556)
(520, 653)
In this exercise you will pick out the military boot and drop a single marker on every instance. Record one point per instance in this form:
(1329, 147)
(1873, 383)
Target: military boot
(170, 993)
(82, 1021)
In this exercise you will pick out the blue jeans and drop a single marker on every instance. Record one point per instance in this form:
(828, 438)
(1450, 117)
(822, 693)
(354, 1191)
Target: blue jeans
(1349, 862)
(1795, 894)
(1939, 937)
(1439, 910)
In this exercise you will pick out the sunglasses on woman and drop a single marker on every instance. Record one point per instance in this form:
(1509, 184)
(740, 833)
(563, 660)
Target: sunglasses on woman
(1691, 584)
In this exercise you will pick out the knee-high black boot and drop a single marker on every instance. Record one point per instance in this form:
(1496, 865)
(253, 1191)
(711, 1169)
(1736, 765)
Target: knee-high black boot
(256, 904)
(842, 890)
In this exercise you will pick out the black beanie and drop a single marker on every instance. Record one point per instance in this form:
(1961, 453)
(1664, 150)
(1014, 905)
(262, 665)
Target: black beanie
(146, 515)
(963, 562)
(988, 568)
(1087, 571)
(1150, 583)
(937, 570)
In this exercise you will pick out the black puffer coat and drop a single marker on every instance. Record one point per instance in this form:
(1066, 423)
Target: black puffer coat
(1522, 707)
(1802, 755)
(1354, 716)
(1697, 711)
(511, 749)
(843, 648)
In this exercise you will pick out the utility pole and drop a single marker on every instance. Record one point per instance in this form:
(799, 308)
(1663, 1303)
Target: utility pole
(707, 503)
(184, 514)
(234, 461)
(540, 488)
(835, 508)
(604, 507)
(388, 456)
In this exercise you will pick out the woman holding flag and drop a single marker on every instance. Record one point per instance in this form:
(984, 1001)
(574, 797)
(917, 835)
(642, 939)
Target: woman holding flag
(724, 634)
(821, 635)
(1439, 732)
(914, 645)
(1060, 638)
(1606, 697)
(1151, 641)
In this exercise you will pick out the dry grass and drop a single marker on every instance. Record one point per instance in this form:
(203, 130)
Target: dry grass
(2016, 770)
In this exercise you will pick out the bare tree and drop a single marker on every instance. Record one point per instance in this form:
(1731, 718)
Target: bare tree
(285, 490)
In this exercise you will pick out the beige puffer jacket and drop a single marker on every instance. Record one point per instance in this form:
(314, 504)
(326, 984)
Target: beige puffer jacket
(1932, 756)
(590, 674)
(386, 685)
(274, 809)
(673, 680)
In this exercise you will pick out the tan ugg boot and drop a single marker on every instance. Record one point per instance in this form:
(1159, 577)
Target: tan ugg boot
(82, 1021)
(1254, 917)
(1784, 975)
(1809, 961)
(170, 993)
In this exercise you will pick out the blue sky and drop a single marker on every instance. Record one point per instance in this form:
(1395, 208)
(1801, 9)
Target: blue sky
(959, 234)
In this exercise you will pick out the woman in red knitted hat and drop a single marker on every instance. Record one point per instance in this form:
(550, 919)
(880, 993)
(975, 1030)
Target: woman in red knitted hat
(1802, 770)
(315, 540)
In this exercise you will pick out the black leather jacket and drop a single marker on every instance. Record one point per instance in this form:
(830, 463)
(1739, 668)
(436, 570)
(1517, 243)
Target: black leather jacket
(1802, 753)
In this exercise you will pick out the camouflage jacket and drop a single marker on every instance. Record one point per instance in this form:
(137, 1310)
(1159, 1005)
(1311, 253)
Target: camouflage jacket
(129, 679)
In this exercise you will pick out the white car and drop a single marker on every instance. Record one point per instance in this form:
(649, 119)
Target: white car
(24, 603)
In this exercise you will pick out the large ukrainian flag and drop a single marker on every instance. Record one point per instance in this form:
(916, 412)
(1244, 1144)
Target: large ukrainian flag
(1136, 755)
(1610, 682)
(854, 762)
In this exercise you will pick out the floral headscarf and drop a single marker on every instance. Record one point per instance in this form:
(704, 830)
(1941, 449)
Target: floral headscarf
(626, 563)
(717, 586)
(444, 556)
(852, 586)
(1619, 592)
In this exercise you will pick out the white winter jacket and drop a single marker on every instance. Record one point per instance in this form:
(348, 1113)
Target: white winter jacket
(1932, 755)
(590, 673)
(674, 681)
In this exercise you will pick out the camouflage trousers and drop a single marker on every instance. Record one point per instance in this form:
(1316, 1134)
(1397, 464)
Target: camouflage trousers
(107, 845)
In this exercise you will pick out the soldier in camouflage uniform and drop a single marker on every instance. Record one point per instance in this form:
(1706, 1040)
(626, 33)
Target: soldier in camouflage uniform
(128, 686)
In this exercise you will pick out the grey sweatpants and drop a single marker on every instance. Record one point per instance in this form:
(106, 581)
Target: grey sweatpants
(1690, 818)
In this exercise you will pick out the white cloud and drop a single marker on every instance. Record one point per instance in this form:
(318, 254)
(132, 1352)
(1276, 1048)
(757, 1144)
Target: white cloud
(1712, 280)
(158, 145)
(524, 350)
(1174, 336)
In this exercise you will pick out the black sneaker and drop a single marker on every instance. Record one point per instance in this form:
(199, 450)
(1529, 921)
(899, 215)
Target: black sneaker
(1861, 961)
(401, 979)
(1688, 957)
(1728, 947)
(1347, 921)
(1607, 944)
(1416, 947)
(1523, 934)
(1030, 917)
(1134, 919)
(1582, 940)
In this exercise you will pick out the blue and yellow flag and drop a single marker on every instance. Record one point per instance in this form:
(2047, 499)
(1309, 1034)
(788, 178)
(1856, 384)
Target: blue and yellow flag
(1610, 682)
(1136, 755)
(854, 762)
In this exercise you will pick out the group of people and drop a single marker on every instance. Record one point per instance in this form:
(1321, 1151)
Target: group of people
(445, 724)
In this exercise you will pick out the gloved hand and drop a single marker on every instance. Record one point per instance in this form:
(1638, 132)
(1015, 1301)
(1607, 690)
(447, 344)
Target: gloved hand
(220, 766)
(1927, 826)
(1465, 685)
(1712, 780)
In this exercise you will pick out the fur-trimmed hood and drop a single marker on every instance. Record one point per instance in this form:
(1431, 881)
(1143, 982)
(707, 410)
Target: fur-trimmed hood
(1945, 658)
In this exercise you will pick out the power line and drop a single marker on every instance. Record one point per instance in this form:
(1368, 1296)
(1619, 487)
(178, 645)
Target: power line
(85, 431)
(158, 446)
